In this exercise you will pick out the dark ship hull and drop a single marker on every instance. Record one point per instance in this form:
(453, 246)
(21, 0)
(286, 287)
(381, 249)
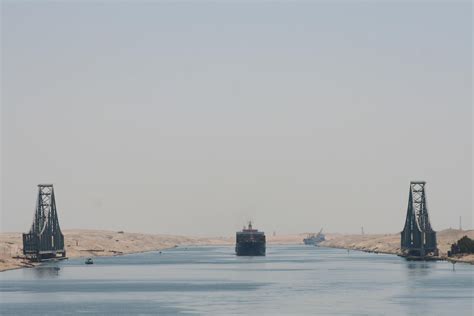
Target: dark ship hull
(314, 240)
(250, 248)
(250, 242)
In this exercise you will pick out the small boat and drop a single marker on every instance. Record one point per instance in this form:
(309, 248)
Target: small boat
(89, 261)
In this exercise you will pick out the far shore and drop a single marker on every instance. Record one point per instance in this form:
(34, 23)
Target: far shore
(93, 243)
(390, 243)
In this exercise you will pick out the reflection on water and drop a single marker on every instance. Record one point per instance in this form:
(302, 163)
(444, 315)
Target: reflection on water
(44, 272)
(418, 268)
(290, 280)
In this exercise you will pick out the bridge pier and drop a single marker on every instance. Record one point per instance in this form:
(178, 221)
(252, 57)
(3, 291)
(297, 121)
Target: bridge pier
(45, 239)
(418, 239)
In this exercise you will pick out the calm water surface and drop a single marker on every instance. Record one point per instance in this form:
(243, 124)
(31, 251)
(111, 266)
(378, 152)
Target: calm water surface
(290, 280)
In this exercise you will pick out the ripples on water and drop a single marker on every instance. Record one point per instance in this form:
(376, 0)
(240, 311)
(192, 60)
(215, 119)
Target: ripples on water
(290, 280)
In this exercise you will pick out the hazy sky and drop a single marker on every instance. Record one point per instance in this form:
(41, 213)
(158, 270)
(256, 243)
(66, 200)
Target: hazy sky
(191, 118)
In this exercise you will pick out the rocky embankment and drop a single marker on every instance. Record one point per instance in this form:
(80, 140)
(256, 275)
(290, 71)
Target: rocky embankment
(390, 243)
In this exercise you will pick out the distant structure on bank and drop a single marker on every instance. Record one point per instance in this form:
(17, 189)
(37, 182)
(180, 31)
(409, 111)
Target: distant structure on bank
(45, 240)
(417, 237)
(314, 239)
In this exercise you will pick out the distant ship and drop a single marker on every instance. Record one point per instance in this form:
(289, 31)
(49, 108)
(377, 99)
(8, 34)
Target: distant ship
(250, 242)
(314, 239)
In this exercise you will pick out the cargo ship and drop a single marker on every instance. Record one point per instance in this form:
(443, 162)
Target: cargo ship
(314, 239)
(250, 242)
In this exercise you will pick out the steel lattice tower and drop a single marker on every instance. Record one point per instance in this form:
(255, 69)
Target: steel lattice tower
(45, 239)
(417, 237)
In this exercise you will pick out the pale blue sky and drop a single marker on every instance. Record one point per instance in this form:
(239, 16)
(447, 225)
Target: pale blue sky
(192, 118)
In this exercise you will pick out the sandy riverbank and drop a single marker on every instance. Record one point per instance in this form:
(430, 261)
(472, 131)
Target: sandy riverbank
(390, 243)
(91, 243)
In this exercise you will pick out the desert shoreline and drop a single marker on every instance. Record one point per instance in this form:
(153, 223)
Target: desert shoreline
(96, 243)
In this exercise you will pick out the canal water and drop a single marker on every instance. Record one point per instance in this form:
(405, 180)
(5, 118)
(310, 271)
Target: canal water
(290, 280)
